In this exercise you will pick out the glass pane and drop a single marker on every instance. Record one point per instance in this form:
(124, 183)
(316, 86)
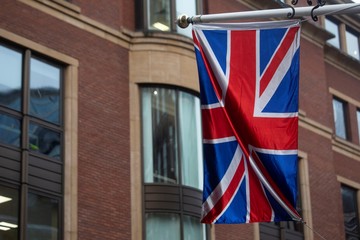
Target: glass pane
(339, 118)
(10, 78)
(351, 217)
(159, 114)
(159, 15)
(352, 44)
(44, 140)
(43, 217)
(187, 7)
(45, 91)
(10, 130)
(190, 140)
(334, 29)
(162, 226)
(9, 212)
(193, 229)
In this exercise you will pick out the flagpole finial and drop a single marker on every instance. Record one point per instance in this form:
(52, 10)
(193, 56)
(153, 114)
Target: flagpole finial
(183, 21)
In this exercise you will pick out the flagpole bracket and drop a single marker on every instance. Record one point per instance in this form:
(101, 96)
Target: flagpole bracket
(183, 21)
(320, 3)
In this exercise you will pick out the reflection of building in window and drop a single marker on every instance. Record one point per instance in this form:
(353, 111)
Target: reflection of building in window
(172, 155)
(351, 212)
(345, 38)
(31, 129)
(164, 138)
(339, 108)
(160, 14)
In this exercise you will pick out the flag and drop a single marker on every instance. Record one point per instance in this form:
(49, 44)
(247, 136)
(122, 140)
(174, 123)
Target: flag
(248, 75)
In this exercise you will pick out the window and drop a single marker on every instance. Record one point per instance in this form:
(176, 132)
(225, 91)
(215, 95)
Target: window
(333, 27)
(172, 157)
(351, 214)
(339, 108)
(358, 122)
(31, 133)
(352, 43)
(345, 38)
(160, 15)
(171, 137)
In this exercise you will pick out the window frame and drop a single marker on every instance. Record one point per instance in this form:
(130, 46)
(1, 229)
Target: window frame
(142, 16)
(169, 198)
(337, 36)
(349, 30)
(29, 178)
(345, 115)
(343, 28)
(357, 209)
(358, 123)
(343, 181)
(68, 227)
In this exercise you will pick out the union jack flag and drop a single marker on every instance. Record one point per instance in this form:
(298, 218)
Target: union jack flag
(249, 101)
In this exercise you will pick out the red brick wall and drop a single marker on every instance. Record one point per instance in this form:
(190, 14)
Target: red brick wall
(103, 128)
(114, 13)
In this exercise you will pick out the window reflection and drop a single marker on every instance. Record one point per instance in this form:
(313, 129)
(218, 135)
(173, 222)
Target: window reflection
(190, 140)
(44, 91)
(171, 137)
(10, 78)
(43, 217)
(334, 29)
(164, 136)
(159, 15)
(352, 44)
(339, 118)
(162, 226)
(9, 130)
(193, 229)
(44, 140)
(350, 209)
(9, 211)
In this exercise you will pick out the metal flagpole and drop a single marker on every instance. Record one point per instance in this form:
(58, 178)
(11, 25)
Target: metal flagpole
(183, 21)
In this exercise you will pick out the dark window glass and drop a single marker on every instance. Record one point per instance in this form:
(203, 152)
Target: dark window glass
(43, 217)
(339, 118)
(9, 211)
(10, 130)
(44, 140)
(10, 78)
(45, 91)
(161, 157)
(351, 216)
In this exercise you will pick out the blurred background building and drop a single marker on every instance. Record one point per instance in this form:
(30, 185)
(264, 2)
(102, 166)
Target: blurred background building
(100, 126)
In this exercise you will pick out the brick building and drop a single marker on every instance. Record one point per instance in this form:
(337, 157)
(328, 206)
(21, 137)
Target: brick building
(100, 134)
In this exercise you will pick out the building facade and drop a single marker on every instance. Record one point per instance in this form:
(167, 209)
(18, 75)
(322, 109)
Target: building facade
(100, 126)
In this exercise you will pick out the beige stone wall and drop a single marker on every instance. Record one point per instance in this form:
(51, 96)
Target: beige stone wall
(162, 60)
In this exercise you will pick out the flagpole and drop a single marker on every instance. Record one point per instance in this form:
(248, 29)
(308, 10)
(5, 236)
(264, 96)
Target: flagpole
(335, 9)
